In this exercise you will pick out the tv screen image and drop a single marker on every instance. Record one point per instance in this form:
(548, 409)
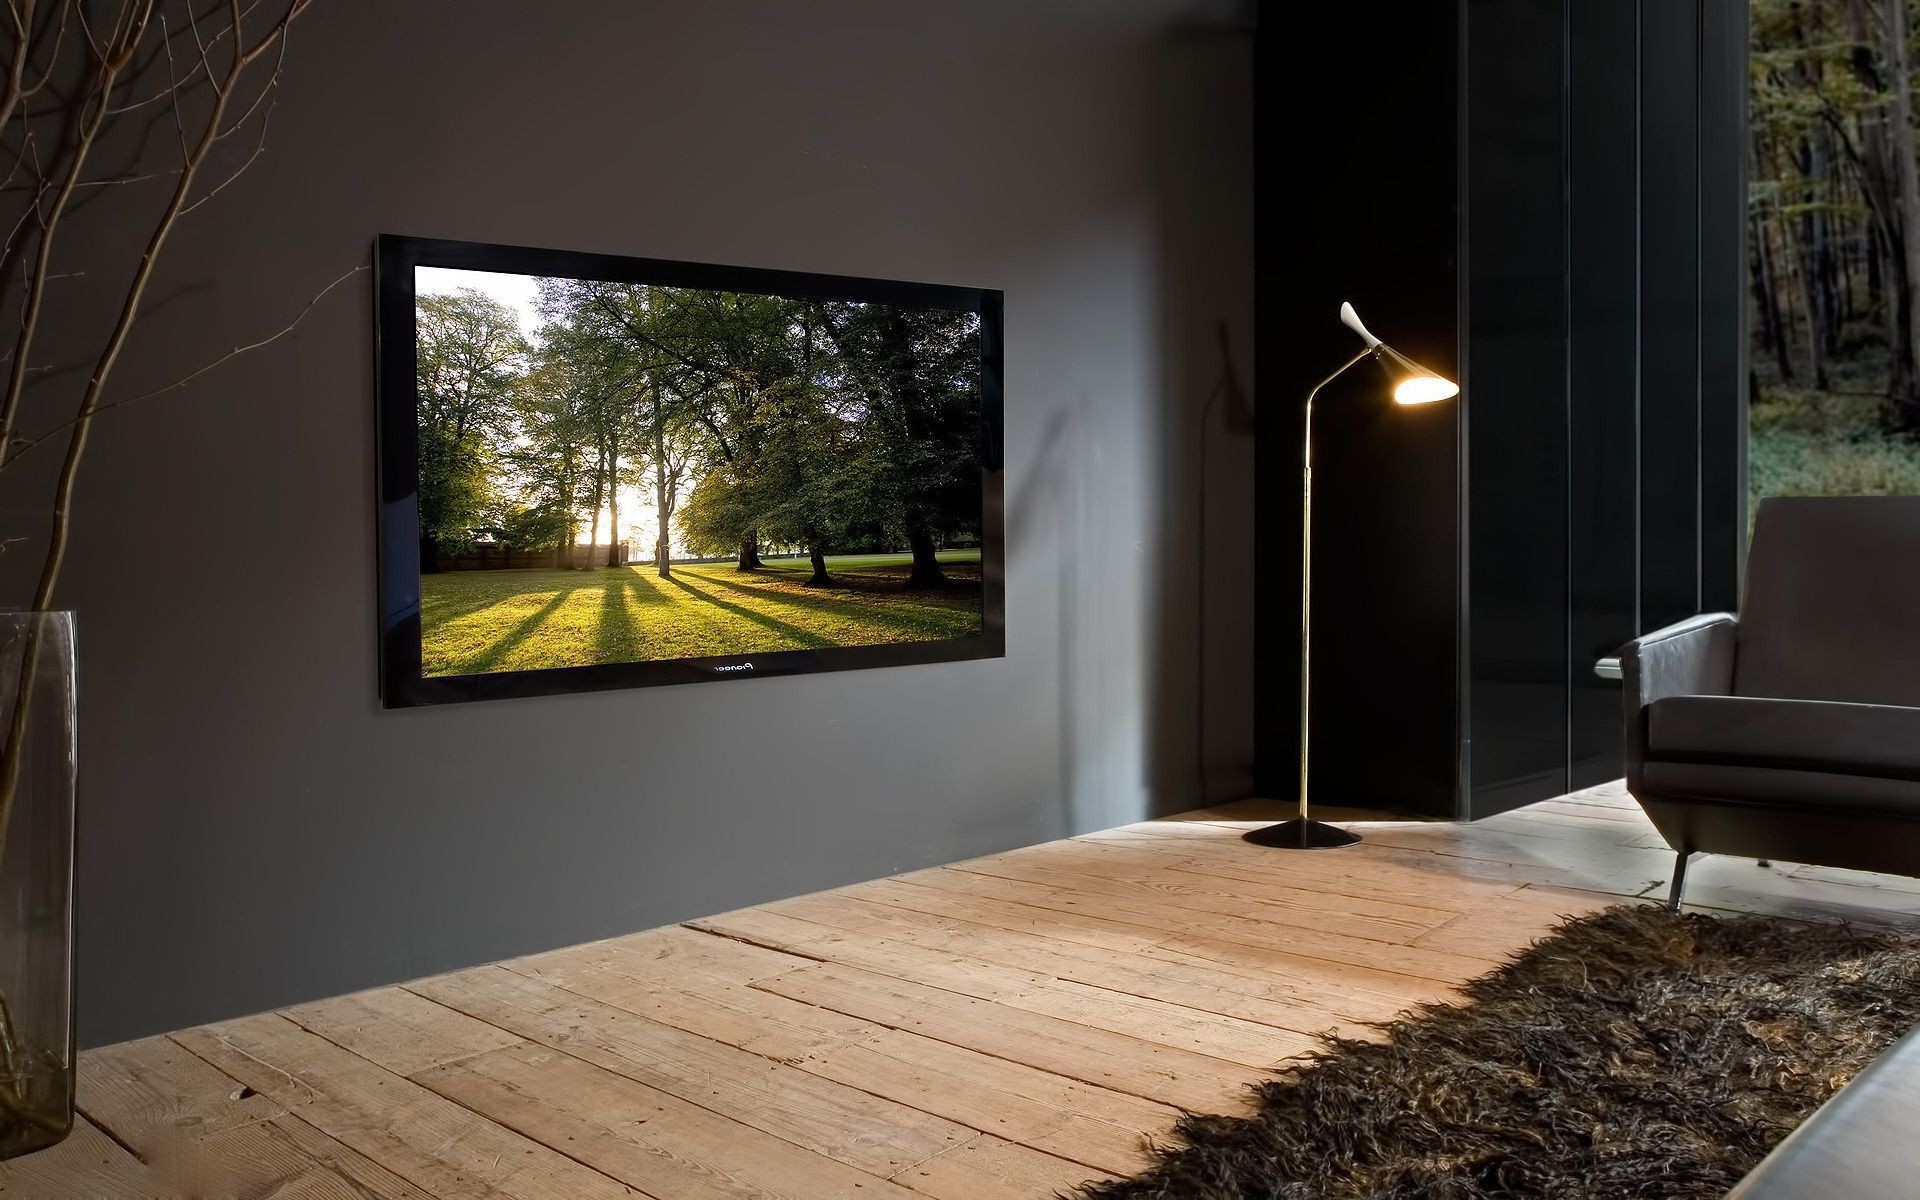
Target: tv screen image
(603, 472)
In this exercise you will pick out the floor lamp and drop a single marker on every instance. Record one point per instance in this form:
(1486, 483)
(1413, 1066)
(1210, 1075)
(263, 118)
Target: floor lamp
(1412, 384)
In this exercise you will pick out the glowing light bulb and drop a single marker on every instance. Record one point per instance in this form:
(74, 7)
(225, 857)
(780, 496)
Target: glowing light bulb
(1424, 389)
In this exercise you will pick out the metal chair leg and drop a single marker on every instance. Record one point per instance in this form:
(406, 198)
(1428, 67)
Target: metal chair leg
(1680, 860)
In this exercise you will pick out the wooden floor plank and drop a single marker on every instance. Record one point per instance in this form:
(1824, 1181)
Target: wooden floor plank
(1585, 810)
(659, 1143)
(1069, 1118)
(1364, 874)
(1145, 886)
(1096, 1126)
(821, 933)
(205, 1133)
(1742, 885)
(1515, 921)
(1256, 1044)
(153, 1091)
(1866, 879)
(1527, 857)
(730, 1013)
(1150, 891)
(673, 954)
(1044, 907)
(891, 947)
(436, 1145)
(399, 1030)
(1125, 1064)
(88, 1163)
(369, 1178)
(1146, 862)
(1252, 922)
(1151, 943)
(866, 1132)
(988, 1166)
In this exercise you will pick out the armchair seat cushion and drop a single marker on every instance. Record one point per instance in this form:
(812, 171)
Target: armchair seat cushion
(1826, 736)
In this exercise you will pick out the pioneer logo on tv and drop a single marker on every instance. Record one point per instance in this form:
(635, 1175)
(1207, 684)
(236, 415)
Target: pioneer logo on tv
(734, 668)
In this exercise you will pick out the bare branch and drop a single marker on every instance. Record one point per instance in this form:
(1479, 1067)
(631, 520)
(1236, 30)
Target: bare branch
(178, 87)
(117, 180)
(265, 96)
(109, 69)
(234, 21)
(16, 67)
(258, 149)
(52, 57)
(206, 64)
(26, 145)
(22, 445)
(130, 308)
(173, 86)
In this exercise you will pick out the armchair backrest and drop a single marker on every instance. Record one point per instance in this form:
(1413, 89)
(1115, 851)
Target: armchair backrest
(1832, 603)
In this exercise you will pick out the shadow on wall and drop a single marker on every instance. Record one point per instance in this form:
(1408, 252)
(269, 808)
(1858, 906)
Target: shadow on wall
(1187, 738)
(1199, 685)
(1051, 486)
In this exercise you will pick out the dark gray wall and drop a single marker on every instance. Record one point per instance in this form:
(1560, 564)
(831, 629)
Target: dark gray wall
(257, 831)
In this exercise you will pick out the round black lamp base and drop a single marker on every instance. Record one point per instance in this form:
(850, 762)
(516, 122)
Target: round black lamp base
(1302, 835)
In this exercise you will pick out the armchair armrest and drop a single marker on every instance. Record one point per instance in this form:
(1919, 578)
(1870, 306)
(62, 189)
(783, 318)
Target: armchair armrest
(1693, 657)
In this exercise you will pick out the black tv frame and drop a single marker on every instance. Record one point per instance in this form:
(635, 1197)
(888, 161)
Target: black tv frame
(401, 683)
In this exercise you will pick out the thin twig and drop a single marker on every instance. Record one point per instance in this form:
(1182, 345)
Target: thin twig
(173, 84)
(109, 68)
(25, 444)
(259, 148)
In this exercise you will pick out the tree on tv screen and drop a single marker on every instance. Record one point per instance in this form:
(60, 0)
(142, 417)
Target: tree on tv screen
(750, 421)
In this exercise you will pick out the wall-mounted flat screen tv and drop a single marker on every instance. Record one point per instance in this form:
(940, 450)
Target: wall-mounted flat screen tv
(601, 472)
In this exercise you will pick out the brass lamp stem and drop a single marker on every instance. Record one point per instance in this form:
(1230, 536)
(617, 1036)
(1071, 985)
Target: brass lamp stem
(1306, 568)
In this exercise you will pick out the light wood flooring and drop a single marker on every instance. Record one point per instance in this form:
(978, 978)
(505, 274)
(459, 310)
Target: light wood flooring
(1009, 1026)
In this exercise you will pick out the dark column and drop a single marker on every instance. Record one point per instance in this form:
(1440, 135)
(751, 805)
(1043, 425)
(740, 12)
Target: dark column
(1669, 311)
(1516, 390)
(1603, 376)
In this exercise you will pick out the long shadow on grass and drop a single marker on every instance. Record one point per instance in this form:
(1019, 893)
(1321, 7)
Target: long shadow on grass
(507, 643)
(440, 611)
(645, 587)
(908, 612)
(873, 581)
(452, 604)
(805, 637)
(618, 638)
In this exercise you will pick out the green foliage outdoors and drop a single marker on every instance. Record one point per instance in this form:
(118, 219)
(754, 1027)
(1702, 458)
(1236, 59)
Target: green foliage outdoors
(1808, 443)
(1835, 389)
(469, 350)
(474, 622)
(1784, 462)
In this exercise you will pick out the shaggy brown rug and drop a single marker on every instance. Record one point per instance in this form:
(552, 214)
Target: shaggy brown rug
(1633, 1053)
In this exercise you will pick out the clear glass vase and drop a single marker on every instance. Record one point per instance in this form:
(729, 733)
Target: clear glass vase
(36, 880)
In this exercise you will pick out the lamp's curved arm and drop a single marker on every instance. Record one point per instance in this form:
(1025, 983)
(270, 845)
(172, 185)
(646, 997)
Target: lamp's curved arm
(1344, 368)
(1307, 457)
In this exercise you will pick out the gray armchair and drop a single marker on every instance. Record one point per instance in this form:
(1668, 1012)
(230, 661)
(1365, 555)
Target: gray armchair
(1793, 730)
